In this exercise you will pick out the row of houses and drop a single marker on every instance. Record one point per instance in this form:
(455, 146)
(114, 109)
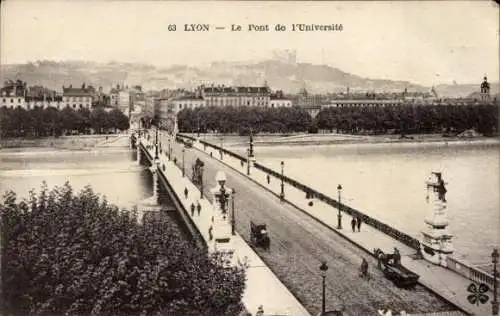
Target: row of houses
(17, 94)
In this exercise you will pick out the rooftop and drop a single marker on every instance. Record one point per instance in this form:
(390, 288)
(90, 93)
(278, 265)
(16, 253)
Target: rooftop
(76, 92)
(224, 89)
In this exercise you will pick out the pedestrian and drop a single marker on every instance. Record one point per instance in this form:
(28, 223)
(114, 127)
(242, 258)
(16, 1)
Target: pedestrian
(359, 223)
(192, 209)
(186, 193)
(260, 311)
(242, 164)
(198, 207)
(210, 154)
(363, 270)
(353, 224)
(268, 179)
(210, 235)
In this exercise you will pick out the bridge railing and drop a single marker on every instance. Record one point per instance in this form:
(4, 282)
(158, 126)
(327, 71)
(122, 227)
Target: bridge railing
(471, 272)
(388, 230)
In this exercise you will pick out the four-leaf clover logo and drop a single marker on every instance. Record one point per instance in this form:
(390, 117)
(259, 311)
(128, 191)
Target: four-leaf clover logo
(477, 295)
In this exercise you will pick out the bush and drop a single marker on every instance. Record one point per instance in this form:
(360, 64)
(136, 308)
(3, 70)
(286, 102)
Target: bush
(75, 254)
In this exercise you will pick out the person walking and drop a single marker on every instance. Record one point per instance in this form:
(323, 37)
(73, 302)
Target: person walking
(186, 193)
(268, 179)
(353, 224)
(192, 209)
(359, 221)
(198, 208)
(260, 311)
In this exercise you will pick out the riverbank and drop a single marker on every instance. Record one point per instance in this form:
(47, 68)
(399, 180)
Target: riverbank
(77, 142)
(332, 139)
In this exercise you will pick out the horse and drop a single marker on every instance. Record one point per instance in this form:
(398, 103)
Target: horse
(382, 258)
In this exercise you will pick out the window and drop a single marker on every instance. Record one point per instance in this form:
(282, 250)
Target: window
(11, 100)
(3, 100)
(81, 106)
(74, 106)
(19, 100)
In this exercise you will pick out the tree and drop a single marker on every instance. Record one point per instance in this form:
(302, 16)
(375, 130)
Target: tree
(76, 254)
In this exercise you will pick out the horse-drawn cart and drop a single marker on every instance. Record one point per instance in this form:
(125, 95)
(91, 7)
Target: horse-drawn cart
(390, 264)
(401, 276)
(259, 235)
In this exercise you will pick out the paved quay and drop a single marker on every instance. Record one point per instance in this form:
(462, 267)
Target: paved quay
(298, 245)
(262, 286)
(447, 283)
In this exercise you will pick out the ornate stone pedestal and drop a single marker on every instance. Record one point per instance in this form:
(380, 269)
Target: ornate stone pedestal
(221, 224)
(436, 242)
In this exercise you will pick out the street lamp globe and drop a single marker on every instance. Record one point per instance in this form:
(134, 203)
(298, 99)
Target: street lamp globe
(339, 187)
(494, 256)
(323, 268)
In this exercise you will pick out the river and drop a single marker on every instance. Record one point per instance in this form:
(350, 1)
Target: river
(386, 181)
(112, 172)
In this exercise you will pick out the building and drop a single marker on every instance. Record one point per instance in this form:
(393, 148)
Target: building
(278, 100)
(235, 96)
(123, 103)
(362, 103)
(77, 98)
(113, 96)
(44, 102)
(13, 94)
(485, 89)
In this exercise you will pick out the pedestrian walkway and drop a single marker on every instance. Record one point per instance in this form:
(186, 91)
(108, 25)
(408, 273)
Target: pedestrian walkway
(446, 283)
(260, 280)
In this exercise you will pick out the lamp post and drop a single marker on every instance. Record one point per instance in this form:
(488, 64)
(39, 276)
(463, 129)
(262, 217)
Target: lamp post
(248, 162)
(201, 180)
(169, 150)
(339, 216)
(156, 144)
(323, 269)
(282, 194)
(251, 144)
(494, 303)
(183, 172)
(233, 221)
(198, 127)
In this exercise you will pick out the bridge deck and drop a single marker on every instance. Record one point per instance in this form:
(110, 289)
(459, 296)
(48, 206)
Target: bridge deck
(447, 283)
(298, 245)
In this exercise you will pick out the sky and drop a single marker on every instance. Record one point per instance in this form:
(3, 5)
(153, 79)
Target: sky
(423, 42)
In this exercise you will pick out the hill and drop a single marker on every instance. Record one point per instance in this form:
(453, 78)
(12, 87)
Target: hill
(289, 77)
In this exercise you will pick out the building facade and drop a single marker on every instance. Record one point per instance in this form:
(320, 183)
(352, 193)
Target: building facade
(13, 94)
(235, 96)
(77, 98)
